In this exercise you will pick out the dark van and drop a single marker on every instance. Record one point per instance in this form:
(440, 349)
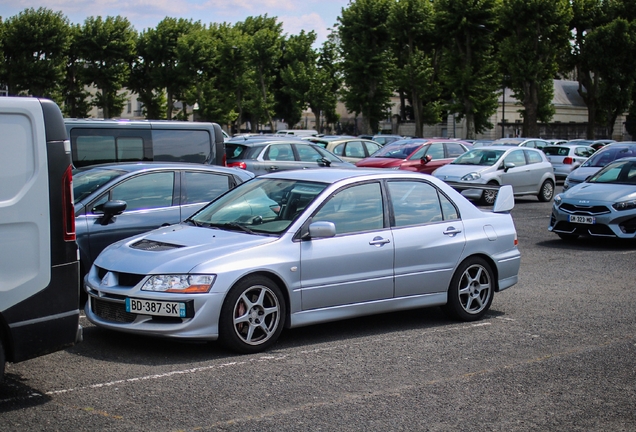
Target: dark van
(39, 262)
(95, 141)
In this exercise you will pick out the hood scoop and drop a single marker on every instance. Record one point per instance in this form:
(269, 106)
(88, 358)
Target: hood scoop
(154, 246)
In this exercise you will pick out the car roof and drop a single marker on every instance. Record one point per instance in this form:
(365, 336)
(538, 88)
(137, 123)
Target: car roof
(129, 167)
(333, 175)
(248, 141)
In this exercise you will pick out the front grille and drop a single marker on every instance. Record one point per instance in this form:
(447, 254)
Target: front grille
(584, 210)
(124, 279)
(110, 311)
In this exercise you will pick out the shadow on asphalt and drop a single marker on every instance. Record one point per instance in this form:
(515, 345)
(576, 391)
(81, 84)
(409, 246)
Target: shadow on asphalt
(16, 395)
(110, 346)
(590, 244)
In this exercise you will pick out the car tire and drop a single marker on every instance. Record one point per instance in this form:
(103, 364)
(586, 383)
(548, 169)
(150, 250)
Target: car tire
(252, 316)
(488, 197)
(471, 290)
(568, 237)
(547, 191)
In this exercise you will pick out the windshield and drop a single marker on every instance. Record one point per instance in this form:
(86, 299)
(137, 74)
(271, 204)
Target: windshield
(620, 172)
(87, 181)
(259, 206)
(481, 156)
(609, 154)
(398, 149)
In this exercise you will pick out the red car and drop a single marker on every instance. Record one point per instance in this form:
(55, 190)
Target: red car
(416, 154)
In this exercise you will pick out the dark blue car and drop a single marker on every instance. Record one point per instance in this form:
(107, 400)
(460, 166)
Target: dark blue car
(115, 201)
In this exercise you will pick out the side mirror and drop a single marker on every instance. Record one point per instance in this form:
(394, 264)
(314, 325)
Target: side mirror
(426, 159)
(324, 162)
(112, 208)
(322, 229)
(508, 165)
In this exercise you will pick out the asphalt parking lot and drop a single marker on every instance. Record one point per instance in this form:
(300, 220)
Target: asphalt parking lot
(556, 352)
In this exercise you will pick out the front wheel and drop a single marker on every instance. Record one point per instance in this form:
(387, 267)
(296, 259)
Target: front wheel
(471, 290)
(488, 196)
(252, 316)
(547, 191)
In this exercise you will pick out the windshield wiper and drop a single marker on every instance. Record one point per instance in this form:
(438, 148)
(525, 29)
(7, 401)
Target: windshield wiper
(231, 225)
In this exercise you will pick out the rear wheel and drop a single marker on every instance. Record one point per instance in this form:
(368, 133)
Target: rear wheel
(252, 316)
(489, 196)
(547, 191)
(471, 290)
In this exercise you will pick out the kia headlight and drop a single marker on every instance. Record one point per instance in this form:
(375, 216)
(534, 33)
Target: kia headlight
(624, 205)
(471, 177)
(179, 283)
(557, 200)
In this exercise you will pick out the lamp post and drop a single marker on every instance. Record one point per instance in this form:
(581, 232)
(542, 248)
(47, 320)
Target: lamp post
(503, 111)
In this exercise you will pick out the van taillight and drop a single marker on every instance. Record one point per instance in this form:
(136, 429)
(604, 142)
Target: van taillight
(568, 161)
(68, 209)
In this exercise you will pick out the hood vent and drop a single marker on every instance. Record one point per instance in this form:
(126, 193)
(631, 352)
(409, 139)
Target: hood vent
(154, 246)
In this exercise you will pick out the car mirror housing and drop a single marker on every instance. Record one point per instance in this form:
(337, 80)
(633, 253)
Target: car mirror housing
(505, 200)
(112, 208)
(508, 165)
(426, 159)
(322, 229)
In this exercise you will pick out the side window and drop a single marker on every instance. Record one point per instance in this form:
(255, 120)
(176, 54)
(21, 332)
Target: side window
(416, 203)
(583, 151)
(204, 187)
(454, 150)
(130, 149)
(533, 157)
(354, 209)
(145, 191)
(372, 147)
(280, 152)
(436, 151)
(307, 153)
(181, 145)
(338, 149)
(354, 149)
(516, 157)
(94, 149)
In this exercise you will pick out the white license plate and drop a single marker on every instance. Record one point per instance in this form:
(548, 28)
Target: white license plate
(157, 308)
(582, 219)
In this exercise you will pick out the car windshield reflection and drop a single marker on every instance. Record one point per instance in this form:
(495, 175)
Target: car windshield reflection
(262, 206)
(483, 157)
(621, 172)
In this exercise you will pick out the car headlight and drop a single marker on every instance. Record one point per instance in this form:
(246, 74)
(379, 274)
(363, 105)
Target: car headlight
(179, 283)
(557, 200)
(471, 177)
(624, 205)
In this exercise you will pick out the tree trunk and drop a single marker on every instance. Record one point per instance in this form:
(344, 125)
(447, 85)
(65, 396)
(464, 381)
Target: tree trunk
(531, 106)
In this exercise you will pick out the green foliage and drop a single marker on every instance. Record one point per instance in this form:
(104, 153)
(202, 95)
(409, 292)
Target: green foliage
(367, 60)
(535, 36)
(76, 99)
(108, 47)
(34, 44)
(325, 83)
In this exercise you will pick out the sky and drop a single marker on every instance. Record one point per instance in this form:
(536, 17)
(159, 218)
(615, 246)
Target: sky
(295, 15)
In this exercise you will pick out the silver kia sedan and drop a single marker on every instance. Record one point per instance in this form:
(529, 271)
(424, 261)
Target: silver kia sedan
(527, 170)
(305, 247)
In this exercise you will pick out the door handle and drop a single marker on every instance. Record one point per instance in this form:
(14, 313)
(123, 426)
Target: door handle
(379, 241)
(452, 231)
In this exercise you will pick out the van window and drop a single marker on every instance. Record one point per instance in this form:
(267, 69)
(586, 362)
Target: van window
(181, 145)
(100, 149)
(18, 162)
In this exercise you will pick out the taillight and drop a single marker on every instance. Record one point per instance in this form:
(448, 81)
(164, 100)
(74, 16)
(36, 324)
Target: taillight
(568, 161)
(241, 165)
(68, 209)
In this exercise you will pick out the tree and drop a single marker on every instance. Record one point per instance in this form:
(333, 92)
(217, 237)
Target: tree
(367, 62)
(535, 36)
(108, 49)
(297, 67)
(616, 69)
(470, 71)
(411, 24)
(325, 83)
(76, 98)
(144, 78)
(264, 52)
(35, 43)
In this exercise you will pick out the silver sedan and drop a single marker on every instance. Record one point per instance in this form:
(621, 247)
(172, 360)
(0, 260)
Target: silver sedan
(305, 247)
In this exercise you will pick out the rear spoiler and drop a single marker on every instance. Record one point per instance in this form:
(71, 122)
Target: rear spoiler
(505, 198)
